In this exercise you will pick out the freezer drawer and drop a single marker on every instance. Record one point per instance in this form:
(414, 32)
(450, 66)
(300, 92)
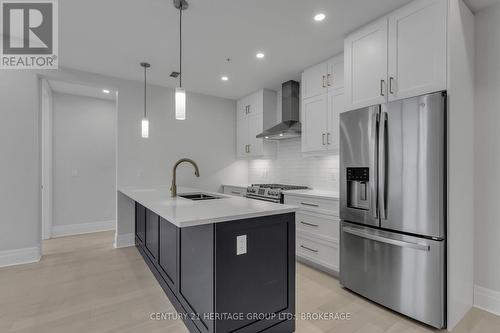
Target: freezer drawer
(401, 272)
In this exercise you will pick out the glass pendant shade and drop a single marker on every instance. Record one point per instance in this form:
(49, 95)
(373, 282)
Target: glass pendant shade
(180, 103)
(145, 128)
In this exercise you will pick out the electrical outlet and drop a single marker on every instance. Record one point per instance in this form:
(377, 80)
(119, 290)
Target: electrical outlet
(241, 245)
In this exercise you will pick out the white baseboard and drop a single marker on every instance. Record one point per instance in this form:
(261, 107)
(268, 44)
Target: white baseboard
(20, 256)
(487, 299)
(82, 228)
(124, 240)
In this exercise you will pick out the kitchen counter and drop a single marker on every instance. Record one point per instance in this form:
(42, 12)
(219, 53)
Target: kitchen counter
(186, 213)
(314, 194)
(245, 265)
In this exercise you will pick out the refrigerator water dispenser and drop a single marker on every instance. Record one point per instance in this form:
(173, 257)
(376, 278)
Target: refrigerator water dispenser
(357, 188)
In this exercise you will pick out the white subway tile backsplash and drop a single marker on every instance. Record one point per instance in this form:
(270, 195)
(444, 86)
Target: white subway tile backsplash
(291, 167)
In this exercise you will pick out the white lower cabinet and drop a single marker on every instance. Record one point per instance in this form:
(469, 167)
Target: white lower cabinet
(317, 229)
(320, 252)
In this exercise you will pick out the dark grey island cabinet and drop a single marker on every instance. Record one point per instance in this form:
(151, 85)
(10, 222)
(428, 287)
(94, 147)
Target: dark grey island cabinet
(234, 276)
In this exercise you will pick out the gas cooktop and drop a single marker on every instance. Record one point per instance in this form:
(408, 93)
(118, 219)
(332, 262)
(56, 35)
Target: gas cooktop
(271, 192)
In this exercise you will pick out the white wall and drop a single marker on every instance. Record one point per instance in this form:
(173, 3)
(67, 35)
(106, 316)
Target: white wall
(487, 157)
(19, 166)
(208, 136)
(84, 137)
(291, 167)
(460, 228)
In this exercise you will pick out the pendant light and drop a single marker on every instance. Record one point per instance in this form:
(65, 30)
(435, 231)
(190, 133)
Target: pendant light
(145, 121)
(180, 92)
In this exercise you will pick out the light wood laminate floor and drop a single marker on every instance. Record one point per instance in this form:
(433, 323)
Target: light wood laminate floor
(83, 284)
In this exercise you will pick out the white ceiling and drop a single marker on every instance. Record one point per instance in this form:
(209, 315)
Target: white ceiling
(80, 90)
(477, 5)
(111, 37)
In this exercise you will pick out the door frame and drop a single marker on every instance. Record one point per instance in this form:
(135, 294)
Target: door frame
(46, 186)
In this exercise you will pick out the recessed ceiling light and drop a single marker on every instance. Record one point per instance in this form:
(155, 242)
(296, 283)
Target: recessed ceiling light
(224, 78)
(260, 55)
(106, 91)
(281, 134)
(319, 17)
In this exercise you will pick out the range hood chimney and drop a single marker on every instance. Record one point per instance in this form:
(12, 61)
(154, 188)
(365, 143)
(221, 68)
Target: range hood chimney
(290, 126)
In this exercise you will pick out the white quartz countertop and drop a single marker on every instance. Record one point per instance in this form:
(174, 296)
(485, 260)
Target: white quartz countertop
(313, 194)
(186, 213)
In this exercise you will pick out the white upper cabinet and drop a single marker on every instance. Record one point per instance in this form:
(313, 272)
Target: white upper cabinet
(251, 104)
(335, 73)
(365, 61)
(255, 113)
(241, 138)
(314, 123)
(314, 80)
(321, 78)
(320, 122)
(401, 55)
(335, 108)
(256, 146)
(320, 112)
(417, 49)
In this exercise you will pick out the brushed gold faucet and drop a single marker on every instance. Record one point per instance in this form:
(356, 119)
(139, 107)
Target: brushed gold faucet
(173, 189)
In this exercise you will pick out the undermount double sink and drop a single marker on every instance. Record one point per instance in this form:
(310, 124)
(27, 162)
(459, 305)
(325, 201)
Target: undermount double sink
(199, 196)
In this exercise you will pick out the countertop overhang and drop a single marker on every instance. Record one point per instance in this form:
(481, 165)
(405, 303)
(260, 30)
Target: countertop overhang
(187, 213)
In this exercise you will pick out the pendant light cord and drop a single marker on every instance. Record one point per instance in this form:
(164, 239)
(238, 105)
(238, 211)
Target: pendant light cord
(145, 92)
(180, 45)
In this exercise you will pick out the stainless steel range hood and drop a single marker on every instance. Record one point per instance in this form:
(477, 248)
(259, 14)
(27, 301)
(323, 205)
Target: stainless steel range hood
(290, 126)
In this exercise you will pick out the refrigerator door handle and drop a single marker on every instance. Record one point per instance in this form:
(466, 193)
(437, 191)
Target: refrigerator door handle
(377, 238)
(382, 166)
(373, 153)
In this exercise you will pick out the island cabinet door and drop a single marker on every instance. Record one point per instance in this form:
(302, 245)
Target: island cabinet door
(255, 272)
(196, 275)
(140, 222)
(152, 234)
(167, 252)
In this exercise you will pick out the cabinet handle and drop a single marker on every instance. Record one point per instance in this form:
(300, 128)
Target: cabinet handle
(234, 192)
(328, 79)
(249, 149)
(246, 148)
(327, 138)
(323, 139)
(391, 80)
(323, 81)
(382, 83)
(309, 204)
(248, 108)
(309, 249)
(310, 224)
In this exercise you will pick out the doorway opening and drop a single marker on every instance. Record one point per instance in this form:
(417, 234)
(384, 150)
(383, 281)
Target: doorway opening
(78, 158)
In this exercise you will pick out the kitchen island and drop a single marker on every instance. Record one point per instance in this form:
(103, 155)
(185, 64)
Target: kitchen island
(226, 263)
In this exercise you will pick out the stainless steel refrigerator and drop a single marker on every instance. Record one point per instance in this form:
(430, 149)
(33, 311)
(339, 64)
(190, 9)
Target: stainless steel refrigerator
(393, 205)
